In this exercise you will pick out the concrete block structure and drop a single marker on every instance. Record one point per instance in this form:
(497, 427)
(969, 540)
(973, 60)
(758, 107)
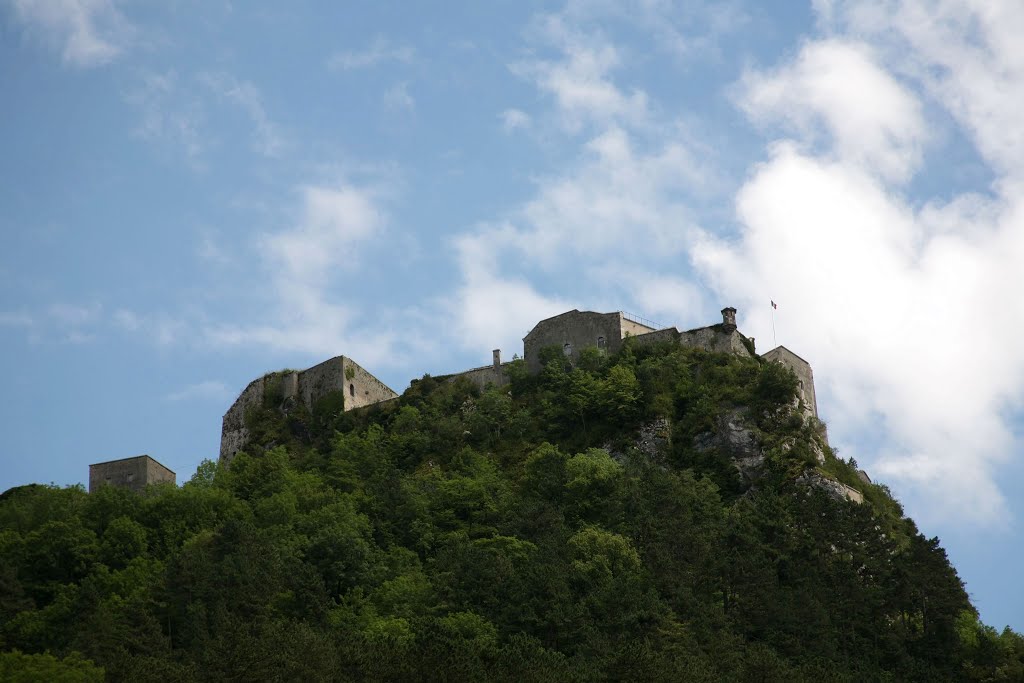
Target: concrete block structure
(340, 377)
(131, 473)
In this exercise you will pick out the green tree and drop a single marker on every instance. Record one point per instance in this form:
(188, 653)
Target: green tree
(18, 667)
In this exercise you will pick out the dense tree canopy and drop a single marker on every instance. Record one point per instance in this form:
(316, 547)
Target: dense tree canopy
(511, 534)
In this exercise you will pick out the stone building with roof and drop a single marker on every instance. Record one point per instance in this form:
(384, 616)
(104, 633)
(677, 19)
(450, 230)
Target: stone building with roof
(130, 473)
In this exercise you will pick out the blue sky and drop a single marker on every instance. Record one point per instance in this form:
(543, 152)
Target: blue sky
(195, 193)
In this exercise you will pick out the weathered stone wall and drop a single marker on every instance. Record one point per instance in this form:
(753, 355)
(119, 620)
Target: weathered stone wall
(233, 433)
(361, 388)
(632, 328)
(157, 473)
(579, 329)
(484, 376)
(804, 375)
(322, 379)
(338, 374)
(131, 473)
(715, 338)
(669, 334)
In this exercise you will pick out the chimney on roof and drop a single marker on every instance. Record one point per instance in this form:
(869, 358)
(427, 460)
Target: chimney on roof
(496, 356)
(729, 319)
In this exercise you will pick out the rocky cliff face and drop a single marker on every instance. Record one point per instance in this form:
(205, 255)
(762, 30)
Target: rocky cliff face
(736, 438)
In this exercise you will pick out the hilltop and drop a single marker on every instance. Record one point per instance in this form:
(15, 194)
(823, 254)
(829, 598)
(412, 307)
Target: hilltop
(657, 512)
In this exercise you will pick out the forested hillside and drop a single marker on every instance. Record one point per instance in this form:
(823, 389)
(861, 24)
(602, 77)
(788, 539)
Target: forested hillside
(586, 524)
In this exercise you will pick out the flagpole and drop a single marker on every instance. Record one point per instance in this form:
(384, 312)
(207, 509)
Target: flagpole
(775, 342)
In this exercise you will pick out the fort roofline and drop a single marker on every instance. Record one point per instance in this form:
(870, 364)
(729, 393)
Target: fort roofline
(571, 331)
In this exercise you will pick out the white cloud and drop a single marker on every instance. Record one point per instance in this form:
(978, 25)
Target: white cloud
(900, 321)
(669, 298)
(491, 309)
(268, 139)
(966, 54)
(211, 251)
(333, 218)
(170, 114)
(209, 390)
(613, 201)
(684, 30)
(514, 119)
(379, 51)
(59, 322)
(612, 212)
(303, 265)
(12, 319)
(72, 315)
(837, 85)
(397, 98)
(902, 304)
(580, 79)
(88, 32)
(160, 328)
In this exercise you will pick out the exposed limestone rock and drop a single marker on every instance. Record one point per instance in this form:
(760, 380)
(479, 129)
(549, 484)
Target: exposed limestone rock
(836, 489)
(815, 446)
(652, 440)
(734, 437)
(654, 437)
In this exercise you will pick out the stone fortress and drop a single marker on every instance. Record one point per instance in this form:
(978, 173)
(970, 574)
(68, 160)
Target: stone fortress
(349, 386)
(343, 378)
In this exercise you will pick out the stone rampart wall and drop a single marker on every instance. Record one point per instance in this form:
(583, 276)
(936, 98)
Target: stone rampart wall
(484, 376)
(361, 388)
(669, 334)
(631, 327)
(322, 379)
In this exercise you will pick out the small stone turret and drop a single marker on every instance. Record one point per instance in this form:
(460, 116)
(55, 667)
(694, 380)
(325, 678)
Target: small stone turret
(496, 356)
(729, 319)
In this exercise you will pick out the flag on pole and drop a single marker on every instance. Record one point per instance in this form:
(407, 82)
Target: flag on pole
(774, 305)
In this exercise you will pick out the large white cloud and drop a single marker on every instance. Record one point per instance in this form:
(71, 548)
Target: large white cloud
(903, 303)
(836, 89)
(302, 267)
(88, 32)
(905, 322)
(967, 54)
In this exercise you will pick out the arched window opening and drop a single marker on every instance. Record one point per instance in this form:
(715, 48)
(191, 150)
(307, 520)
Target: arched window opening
(567, 349)
(601, 343)
(352, 390)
